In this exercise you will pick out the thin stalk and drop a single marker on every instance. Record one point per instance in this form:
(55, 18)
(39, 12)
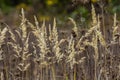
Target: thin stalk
(95, 77)
(103, 18)
(6, 74)
(22, 76)
(104, 29)
(96, 56)
(41, 74)
(26, 75)
(53, 72)
(65, 72)
(47, 73)
(75, 73)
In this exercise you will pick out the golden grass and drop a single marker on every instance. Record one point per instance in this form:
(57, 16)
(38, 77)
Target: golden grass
(39, 53)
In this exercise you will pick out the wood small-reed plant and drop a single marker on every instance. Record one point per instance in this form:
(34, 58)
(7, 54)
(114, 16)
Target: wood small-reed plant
(37, 52)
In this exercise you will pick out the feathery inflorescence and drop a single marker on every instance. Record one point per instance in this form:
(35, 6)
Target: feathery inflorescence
(34, 52)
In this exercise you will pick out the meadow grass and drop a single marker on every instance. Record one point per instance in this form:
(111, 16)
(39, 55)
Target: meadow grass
(34, 52)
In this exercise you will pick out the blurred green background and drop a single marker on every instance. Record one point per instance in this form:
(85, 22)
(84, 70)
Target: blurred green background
(79, 10)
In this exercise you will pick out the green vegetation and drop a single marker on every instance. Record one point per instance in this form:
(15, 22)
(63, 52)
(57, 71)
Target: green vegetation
(59, 6)
(79, 10)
